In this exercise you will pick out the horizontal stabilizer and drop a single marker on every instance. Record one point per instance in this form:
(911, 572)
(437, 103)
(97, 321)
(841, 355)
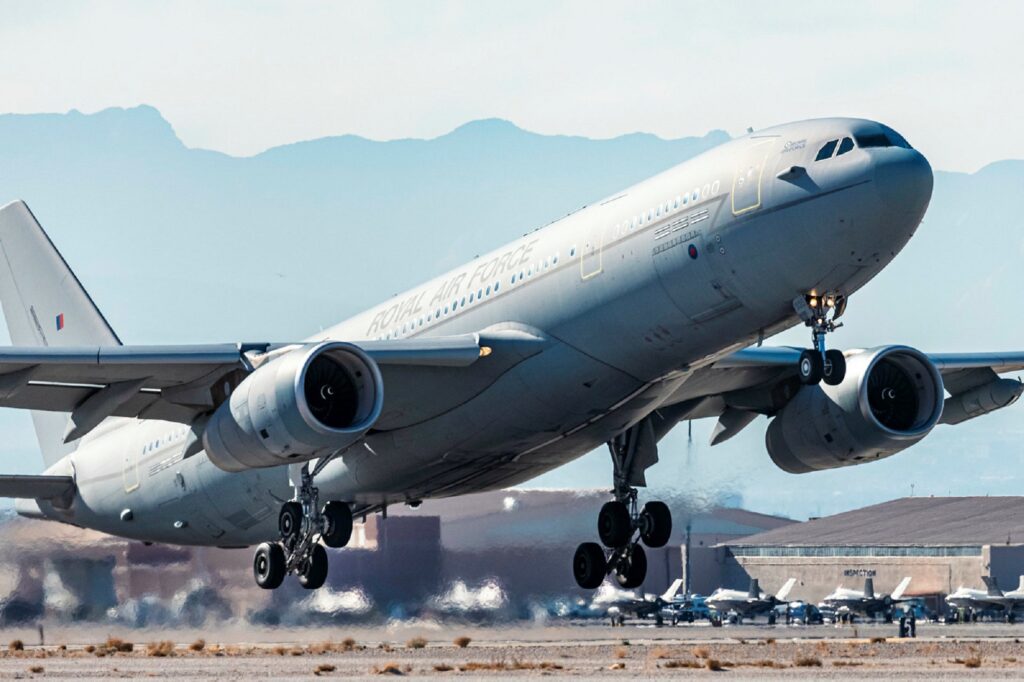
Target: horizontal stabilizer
(37, 487)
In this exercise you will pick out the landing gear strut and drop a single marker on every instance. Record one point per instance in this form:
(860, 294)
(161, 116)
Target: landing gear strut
(820, 314)
(621, 526)
(302, 524)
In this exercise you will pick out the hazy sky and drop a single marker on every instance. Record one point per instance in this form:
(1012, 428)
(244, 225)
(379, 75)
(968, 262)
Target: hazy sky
(243, 76)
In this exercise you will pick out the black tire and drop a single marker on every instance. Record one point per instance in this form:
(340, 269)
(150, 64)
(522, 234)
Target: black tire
(289, 521)
(655, 524)
(834, 368)
(632, 575)
(589, 566)
(268, 565)
(339, 524)
(614, 526)
(313, 573)
(811, 367)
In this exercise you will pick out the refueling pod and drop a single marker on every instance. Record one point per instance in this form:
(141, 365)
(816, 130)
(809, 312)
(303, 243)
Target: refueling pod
(309, 402)
(890, 399)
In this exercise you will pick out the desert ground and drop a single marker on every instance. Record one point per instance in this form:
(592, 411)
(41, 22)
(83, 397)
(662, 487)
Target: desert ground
(588, 651)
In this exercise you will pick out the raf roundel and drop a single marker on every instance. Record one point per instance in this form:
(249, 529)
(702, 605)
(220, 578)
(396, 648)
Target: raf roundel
(692, 250)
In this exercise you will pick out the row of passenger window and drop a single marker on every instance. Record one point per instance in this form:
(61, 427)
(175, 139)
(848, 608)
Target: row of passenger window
(672, 205)
(164, 440)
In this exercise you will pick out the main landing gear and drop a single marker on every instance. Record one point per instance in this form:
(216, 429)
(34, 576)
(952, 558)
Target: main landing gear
(820, 314)
(302, 524)
(621, 526)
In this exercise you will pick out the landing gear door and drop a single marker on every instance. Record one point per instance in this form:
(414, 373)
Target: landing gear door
(749, 176)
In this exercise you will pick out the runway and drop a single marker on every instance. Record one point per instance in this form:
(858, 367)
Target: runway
(426, 650)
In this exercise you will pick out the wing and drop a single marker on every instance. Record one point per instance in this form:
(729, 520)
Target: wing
(37, 487)
(177, 383)
(761, 380)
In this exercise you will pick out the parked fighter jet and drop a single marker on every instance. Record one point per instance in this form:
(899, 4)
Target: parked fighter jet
(991, 598)
(618, 604)
(866, 603)
(748, 604)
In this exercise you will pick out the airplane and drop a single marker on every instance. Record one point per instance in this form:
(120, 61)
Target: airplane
(990, 598)
(866, 603)
(751, 603)
(606, 327)
(615, 604)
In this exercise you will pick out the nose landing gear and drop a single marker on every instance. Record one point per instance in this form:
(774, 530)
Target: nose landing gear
(620, 525)
(820, 314)
(302, 524)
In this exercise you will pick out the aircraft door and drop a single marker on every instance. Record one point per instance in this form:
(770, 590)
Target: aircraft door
(748, 178)
(130, 466)
(591, 253)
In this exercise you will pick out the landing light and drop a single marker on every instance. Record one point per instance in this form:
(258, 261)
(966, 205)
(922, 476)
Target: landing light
(485, 351)
(814, 302)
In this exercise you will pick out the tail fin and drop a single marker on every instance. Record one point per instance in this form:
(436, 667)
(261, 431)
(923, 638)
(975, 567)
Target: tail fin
(783, 593)
(901, 588)
(869, 588)
(755, 589)
(673, 590)
(44, 305)
(991, 586)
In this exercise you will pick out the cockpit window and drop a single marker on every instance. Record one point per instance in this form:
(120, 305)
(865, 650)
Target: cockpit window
(887, 138)
(826, 151)
(845, 146)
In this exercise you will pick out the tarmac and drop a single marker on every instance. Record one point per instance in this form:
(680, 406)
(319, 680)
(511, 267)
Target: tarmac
(587, 651)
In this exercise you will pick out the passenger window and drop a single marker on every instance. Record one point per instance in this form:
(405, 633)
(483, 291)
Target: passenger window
(845, 146)
(826, 151)
(488, 290)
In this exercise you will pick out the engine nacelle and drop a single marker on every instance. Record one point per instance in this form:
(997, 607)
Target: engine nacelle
(890, 399)
(309, 402)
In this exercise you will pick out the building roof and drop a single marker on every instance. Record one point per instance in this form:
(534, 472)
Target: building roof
(509, 518)
(908, 521)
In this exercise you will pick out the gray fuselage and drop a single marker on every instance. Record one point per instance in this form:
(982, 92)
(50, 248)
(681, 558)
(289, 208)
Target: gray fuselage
(633, 295)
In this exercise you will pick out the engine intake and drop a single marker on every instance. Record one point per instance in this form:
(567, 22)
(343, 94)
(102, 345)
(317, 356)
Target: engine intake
(891, 398)
(308, 402)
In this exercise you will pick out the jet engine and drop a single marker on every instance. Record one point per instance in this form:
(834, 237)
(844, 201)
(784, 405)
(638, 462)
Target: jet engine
(891, 398)
(307, 403)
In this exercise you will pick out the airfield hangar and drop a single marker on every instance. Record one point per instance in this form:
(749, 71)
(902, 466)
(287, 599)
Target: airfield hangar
(941, 542)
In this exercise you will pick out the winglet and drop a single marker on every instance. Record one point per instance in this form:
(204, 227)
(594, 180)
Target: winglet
(783, 593)
(673, 590)
(901, 588)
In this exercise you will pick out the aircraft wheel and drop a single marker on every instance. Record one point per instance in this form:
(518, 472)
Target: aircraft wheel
(655, 524)
(589, 566)
(614, 526)
(268, 565)
(289, 522)
(339, 524)
(834, 367)
(811, 367)
(633, 573)
(313, 572)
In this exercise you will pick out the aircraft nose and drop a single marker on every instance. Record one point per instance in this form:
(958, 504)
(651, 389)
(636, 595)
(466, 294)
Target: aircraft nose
(904, 179)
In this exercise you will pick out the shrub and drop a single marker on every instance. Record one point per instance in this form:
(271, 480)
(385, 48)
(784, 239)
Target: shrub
(807, 662)
(416, 643)
(160, 649)
(713, 664)
(117, 644)
(16, 645)
(36, 669)
(323, 668)
(197, 645)
(462, 642)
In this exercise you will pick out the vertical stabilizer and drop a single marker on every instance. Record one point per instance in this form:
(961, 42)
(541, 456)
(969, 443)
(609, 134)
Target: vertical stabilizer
(44, 305)
(991, 586)
(673, 590)
(901, 588)
(783, 593)
(755, 589)
(869, 588)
